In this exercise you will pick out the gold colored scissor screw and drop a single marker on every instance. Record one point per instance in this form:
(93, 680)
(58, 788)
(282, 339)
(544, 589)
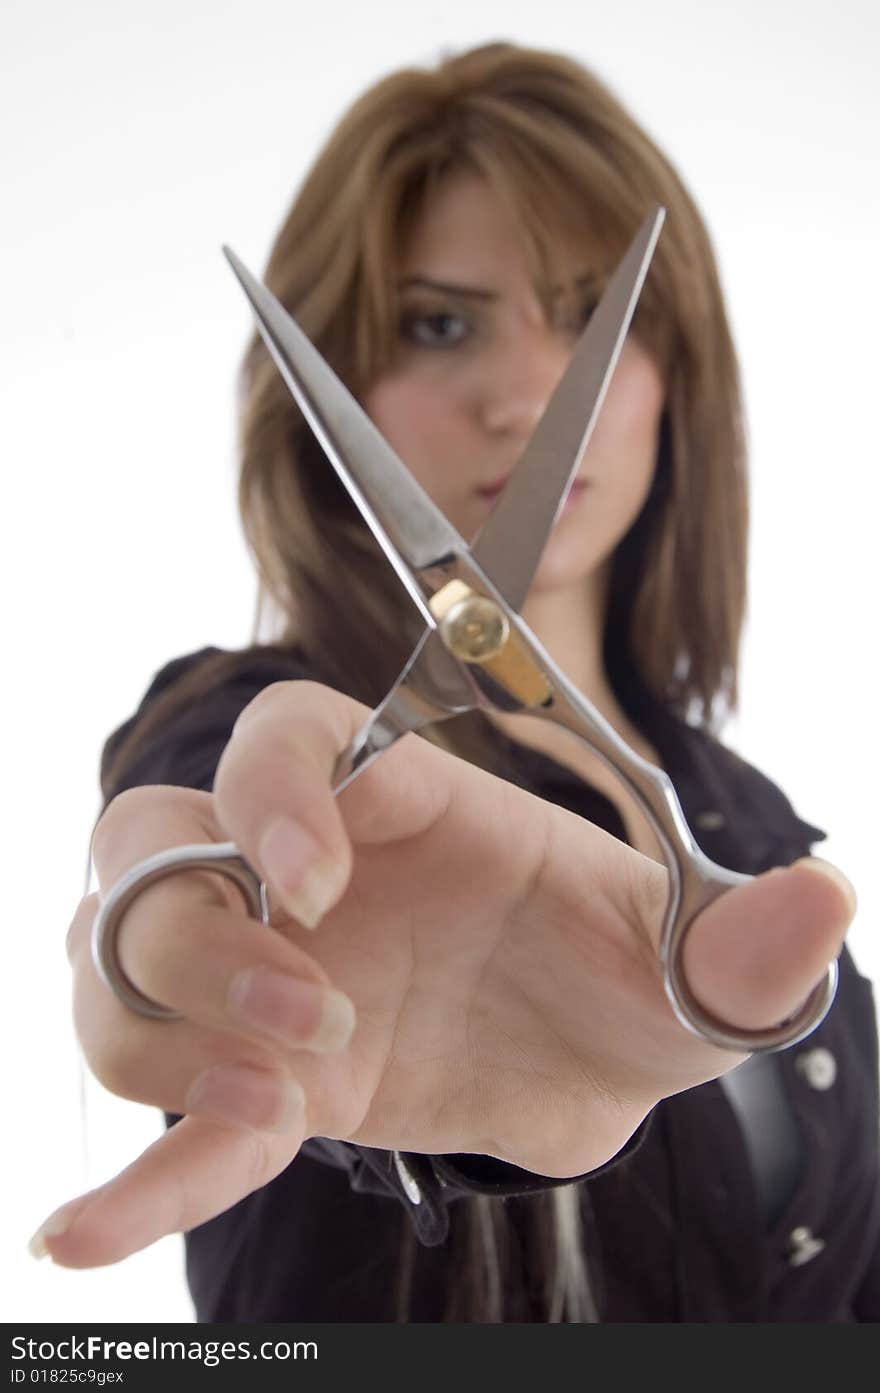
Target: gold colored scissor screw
(474, 629)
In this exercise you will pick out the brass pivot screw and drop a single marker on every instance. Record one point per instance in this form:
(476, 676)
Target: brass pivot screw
(474, 629)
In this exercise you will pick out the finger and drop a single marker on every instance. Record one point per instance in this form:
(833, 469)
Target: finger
(152, 818)
(175, 1065)
(217, 968)
(192, 1173)
(273, 793)
(754, 955)
(183, 1068)
(252, 1076)
(141, 822)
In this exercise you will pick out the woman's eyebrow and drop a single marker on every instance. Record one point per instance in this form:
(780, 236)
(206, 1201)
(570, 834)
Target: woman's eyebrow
(446, 288)
(581, 282)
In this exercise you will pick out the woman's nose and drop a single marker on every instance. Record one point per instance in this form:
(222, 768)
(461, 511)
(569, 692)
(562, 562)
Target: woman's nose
(518, 381)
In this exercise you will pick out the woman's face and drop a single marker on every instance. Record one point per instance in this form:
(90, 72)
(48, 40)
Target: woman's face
(476, 365)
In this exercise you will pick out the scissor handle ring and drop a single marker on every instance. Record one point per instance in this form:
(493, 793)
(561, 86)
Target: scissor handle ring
(720, 1032)
(223, 858)
(695, 881)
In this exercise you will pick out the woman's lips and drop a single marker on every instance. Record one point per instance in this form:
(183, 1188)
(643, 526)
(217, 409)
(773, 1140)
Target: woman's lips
(575, 493)
(490, 492)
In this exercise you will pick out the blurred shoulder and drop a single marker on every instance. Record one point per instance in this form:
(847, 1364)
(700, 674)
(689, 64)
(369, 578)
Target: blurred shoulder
(187, 712)
(218, 669)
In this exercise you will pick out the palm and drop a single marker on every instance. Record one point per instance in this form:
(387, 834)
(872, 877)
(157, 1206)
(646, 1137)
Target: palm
(500, 1009)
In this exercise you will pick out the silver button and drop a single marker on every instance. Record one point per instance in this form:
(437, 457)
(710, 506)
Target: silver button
(803, 1246)
(711, 820)
(411, 1189)
(817, 1066)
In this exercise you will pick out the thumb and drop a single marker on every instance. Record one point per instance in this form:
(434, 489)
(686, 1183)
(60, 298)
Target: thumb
(753, 956)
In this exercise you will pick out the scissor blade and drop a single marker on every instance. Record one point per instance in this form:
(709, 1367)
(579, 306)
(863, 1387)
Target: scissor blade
(512, 540)
(408, 526)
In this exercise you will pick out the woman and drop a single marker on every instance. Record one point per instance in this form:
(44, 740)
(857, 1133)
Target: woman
(474, 1044)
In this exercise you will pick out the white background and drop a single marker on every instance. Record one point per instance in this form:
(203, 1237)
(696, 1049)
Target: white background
(137, 138)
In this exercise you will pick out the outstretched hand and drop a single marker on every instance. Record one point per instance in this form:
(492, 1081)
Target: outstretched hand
(453, 965)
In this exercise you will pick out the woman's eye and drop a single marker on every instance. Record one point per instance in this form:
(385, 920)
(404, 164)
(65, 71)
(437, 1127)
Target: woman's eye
(576, 317)
(437, 329)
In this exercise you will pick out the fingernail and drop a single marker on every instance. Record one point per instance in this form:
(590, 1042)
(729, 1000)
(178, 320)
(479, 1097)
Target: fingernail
(300, 1013)
(831, 872)
(237, 1093)
(56, 1224)
(306, 879)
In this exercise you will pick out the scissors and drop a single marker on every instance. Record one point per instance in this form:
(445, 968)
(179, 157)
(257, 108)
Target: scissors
(476, 652)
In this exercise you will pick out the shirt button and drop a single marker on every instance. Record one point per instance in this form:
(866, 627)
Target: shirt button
(803, 1246)
(818, 1067)
(711, 820)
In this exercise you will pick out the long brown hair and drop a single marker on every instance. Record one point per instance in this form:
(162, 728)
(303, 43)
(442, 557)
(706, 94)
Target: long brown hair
(569, 161)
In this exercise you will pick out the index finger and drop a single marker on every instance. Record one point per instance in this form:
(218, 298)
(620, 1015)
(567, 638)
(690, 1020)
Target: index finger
(274, 793)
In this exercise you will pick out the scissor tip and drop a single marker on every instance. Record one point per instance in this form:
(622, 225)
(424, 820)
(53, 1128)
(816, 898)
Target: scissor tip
(238, 266)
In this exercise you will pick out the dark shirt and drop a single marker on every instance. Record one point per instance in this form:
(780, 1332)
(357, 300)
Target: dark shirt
(680, 1229)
